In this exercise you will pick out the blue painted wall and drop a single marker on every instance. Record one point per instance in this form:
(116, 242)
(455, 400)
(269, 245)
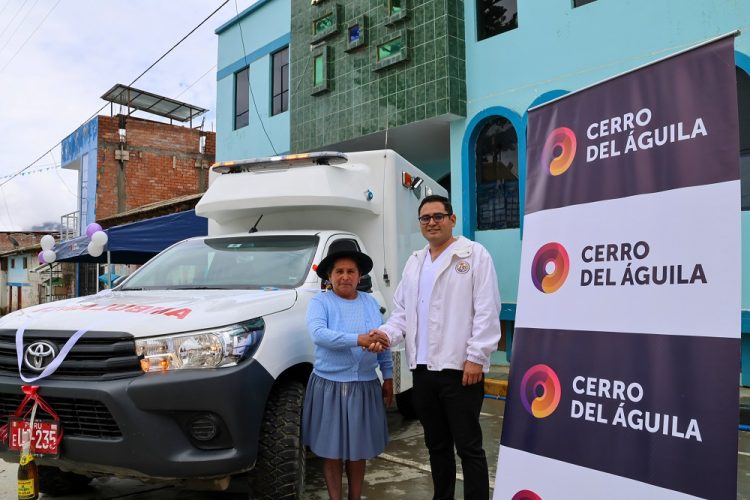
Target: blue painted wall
(17, 272)
(264, 27)
(558, 48)
(79, 153)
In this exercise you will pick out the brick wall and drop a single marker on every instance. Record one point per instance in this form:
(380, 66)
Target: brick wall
(24, 239)
(162, 163)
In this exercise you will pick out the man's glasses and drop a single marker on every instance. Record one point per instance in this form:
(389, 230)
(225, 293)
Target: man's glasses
(425, 219)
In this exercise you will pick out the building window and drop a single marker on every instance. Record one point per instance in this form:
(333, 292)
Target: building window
(280, 100)
(12, 263)
(241, 98)
(398, 10)
(497, 191)
(356, 33)
(324, 23)
(743, 105)
(392, 51)
(320, 70)
(391, 48)
(578, 3)
(320, 67)
(495, 17)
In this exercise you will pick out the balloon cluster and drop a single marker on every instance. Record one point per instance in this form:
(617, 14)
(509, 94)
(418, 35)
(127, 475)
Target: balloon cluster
(47, 255)
(98, 239)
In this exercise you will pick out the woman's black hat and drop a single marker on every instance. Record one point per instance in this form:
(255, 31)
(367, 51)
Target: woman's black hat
(364, 263)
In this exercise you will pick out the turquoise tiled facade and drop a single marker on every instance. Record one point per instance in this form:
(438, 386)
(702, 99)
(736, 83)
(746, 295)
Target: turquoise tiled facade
(363, 95)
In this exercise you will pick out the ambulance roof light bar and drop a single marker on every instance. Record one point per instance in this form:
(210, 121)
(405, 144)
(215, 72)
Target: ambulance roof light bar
(284, 161)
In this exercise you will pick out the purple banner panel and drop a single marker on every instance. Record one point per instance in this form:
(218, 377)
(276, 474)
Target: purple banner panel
(613, 402)
(671, 125)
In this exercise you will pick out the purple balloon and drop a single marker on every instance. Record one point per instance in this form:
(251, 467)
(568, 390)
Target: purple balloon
(40, 257)
(92, 228)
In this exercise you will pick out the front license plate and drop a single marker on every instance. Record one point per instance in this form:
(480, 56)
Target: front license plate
(45, 438)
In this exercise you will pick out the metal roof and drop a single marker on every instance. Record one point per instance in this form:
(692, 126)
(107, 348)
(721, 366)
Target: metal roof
(152, 103)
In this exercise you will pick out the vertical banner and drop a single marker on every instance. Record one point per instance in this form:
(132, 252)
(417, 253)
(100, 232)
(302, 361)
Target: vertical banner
(626, 357)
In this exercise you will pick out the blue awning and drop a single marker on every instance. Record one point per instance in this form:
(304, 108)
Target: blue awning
(137, 242)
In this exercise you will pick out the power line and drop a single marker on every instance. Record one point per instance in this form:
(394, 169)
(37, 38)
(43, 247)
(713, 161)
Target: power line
(29, 37)
(6, 6)
(249, 86)
(20, 7)
(60, 177)
(18, 26)
(130, 84)
(7, 210)
(196, 81)
(181, 40)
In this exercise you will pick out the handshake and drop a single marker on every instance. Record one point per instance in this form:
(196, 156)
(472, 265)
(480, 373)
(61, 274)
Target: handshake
(374, 341)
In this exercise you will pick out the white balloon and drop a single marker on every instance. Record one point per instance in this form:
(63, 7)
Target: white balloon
(99, 238)
(94, 249)
(49, 256)
(47, 242)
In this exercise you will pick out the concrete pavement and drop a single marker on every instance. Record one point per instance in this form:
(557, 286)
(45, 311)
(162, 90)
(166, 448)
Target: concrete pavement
(401, 472)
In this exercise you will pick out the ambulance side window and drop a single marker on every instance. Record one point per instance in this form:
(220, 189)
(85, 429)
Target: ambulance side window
(348, 244)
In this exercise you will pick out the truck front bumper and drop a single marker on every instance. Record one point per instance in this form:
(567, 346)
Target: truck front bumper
(177, 425)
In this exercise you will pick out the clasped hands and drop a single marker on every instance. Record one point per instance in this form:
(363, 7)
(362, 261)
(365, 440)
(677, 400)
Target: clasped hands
(374, 341)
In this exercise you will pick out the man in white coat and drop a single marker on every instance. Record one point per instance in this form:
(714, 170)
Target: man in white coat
(447, 309)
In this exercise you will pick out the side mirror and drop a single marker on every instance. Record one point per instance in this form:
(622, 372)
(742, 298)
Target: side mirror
(365, 284)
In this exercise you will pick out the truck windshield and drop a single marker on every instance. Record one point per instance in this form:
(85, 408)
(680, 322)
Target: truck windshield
(231, 262)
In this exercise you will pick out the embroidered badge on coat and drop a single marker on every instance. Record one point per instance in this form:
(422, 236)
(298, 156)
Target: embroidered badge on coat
(463, 267)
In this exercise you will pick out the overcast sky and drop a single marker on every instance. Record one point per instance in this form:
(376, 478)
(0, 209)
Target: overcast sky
(57, 57)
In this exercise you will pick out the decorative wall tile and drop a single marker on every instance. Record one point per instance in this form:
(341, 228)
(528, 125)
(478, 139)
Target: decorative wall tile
(362, 97)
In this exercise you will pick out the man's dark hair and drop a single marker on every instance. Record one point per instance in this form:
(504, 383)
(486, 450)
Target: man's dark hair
(436, 197)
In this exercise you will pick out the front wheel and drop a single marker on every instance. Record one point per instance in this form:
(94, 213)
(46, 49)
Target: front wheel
(280, 469)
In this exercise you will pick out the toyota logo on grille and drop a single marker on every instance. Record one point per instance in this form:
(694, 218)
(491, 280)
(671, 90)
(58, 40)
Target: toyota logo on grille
(39, 355)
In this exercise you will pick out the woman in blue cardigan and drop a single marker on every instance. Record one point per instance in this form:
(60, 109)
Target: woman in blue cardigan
(344, 411)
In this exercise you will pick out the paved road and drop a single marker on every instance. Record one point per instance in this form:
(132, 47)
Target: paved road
(401, 472)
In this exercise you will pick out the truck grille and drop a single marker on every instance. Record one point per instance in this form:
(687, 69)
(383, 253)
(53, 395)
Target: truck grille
(96, 355)
(79, 417)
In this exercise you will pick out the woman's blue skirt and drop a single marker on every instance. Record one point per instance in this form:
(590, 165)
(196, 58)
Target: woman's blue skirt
(344, 420)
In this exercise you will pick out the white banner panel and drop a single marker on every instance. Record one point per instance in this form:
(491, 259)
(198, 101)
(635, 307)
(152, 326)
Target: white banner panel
(550, 479)
(614, 290)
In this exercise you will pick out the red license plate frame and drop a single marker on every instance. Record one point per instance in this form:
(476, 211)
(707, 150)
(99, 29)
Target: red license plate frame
(45, 439)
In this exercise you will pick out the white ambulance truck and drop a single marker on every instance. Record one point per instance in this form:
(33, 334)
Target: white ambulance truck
(193, 369)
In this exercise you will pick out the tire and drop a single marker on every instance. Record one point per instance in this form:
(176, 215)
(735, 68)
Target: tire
(405, 404)
(280, 469)
(55, 482)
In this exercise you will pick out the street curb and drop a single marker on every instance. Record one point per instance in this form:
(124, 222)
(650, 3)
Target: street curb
(496, 387)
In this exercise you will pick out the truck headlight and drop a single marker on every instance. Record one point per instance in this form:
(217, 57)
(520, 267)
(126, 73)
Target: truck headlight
(216, 347)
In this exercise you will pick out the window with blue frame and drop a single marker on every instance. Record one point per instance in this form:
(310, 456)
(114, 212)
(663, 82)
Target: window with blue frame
(241, 98)
(743, 105)
(497, 189)
(495, 17)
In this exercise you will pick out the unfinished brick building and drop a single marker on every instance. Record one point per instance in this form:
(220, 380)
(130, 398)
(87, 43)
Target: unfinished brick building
(126, 162)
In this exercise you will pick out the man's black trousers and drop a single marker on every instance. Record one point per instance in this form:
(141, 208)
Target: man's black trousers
(449, 413)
